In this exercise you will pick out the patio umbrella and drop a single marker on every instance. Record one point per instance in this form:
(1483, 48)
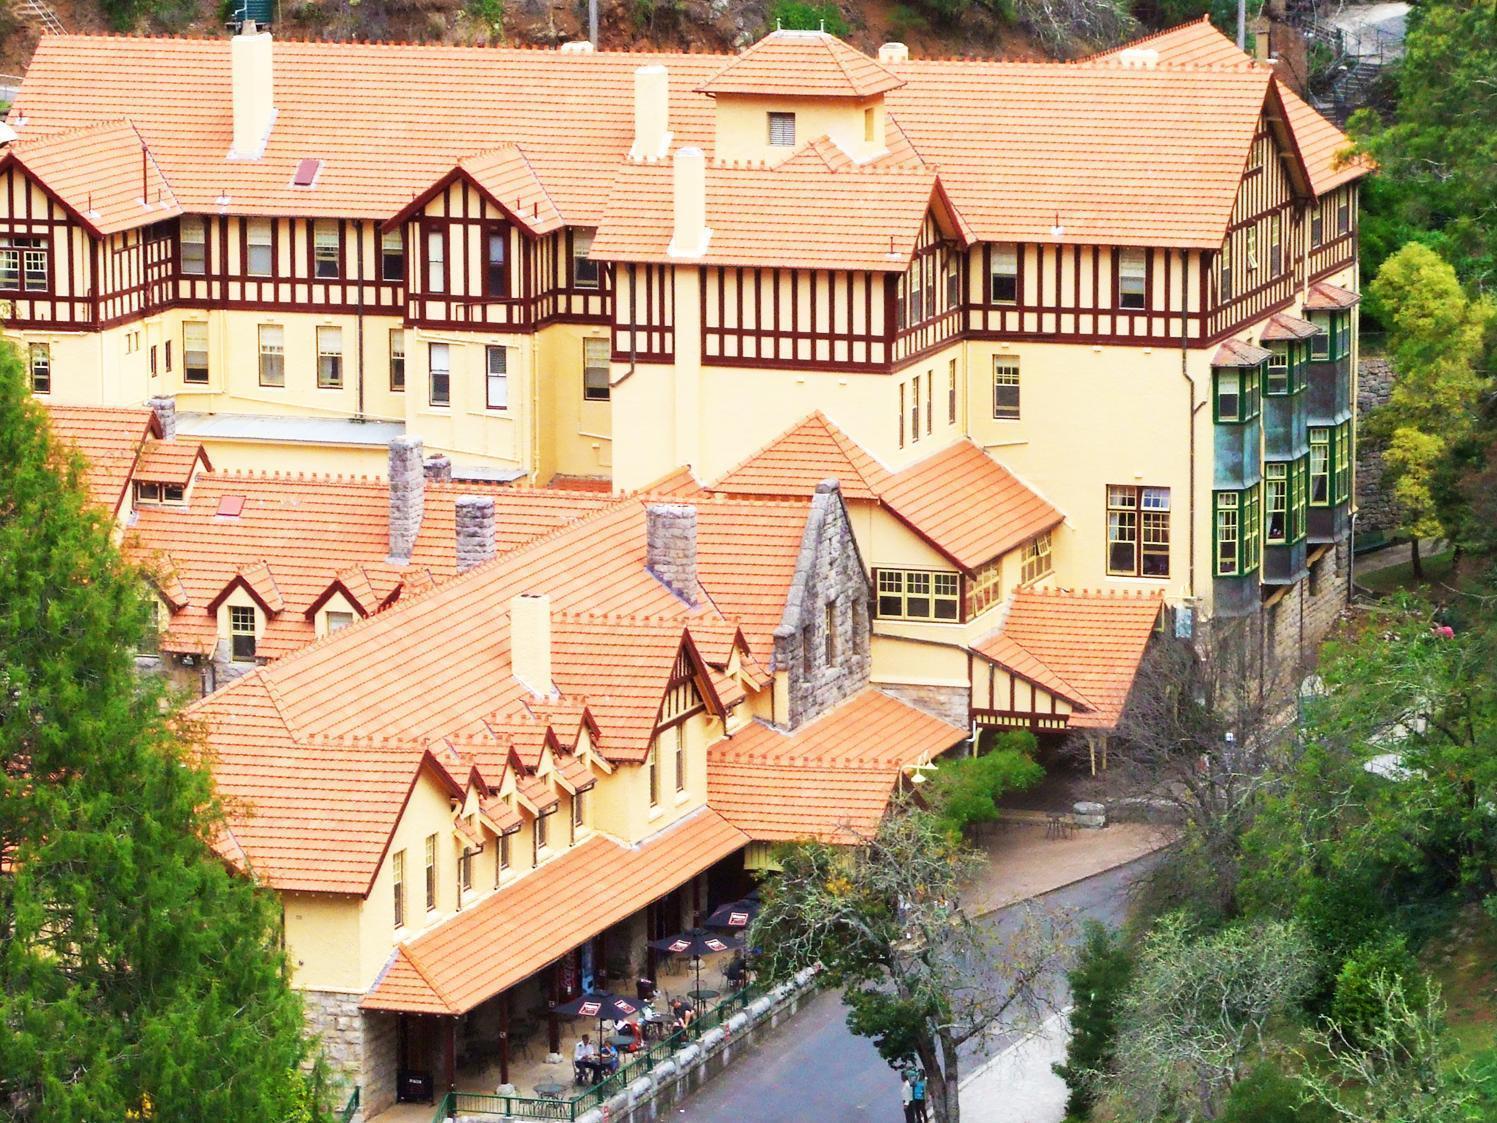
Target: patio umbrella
(735, 915)
(598, 1006)
(696, 943)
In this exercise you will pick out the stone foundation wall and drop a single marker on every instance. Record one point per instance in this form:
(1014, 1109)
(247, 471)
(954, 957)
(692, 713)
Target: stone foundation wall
(949, 703)
(1374, 505)
(1295, 625)
(359, 1047)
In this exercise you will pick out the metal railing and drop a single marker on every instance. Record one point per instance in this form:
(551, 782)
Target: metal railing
(351, 1108)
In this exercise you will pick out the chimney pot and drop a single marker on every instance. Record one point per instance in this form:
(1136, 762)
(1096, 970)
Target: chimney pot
(671, 547)
(893, 52)
(252, 79)
(407, 497)
(691, 235)
(652, 119)
(475, 531)
(530, 642)
(165, 409)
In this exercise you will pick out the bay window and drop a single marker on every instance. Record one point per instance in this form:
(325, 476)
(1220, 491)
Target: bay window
(917, 594)
(1237, 532)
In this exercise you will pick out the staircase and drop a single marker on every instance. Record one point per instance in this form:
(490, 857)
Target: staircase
(40, 15)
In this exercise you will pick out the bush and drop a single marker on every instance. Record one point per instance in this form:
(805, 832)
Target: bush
(1104, 968)
(803, 15)
(1356, 1006)
(1266, 1095)
(965, 790)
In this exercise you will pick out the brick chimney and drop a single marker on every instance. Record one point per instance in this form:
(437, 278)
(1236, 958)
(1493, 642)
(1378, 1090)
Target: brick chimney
(252, 76)
(652, 116)
(166, 415)
(691, 235)
(407, 497)
(671, 547)
(530, 642)
(475, 530)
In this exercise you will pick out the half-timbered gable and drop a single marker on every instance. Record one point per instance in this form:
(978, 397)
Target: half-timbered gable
(48, 254)
(1331, 236)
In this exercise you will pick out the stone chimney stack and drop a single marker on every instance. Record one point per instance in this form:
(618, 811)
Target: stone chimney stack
(475, 531)
(530, 642)
(166, 414)
(691, 235)
(439, 470)
(652, 114)
(407, 497)
(671, 547)
(252, 77)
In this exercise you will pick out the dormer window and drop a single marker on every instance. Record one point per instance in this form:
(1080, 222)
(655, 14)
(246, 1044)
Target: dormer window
(782, 130)
(242, 633)
(150, 492)
(337, 621)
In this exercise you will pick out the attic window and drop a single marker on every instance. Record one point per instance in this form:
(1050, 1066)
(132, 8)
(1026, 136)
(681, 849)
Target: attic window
(230, 506)
(306, 172)
(782, 130)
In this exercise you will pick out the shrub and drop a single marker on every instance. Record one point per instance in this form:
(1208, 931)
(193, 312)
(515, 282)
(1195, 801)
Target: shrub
(803, 15)
(1104, 968)
(1356, 1006)
(965, 790)
(1267, 1095)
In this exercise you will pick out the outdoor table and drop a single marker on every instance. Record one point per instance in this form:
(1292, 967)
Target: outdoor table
(621, 1040)
(548, 1090)
(702, 995)
(656, 1027)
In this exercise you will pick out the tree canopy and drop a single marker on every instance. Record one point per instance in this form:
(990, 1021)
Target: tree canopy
(137, 973)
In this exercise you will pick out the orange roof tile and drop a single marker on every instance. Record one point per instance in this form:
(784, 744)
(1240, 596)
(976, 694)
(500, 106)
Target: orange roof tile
(1281, 327)
(802, 64)
(104, 173)
(488, 948)
(109, 439)
(508, 178)
(171, 462)
(1238, 353)
(1083, 645)
(1326, 297)
(831, 779)
(810, 451)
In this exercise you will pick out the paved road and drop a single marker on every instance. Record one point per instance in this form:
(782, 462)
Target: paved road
(811, 1068)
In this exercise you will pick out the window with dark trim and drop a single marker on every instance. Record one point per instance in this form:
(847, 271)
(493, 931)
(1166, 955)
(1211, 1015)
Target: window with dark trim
(497, 368)
(1343, 211)
(1237, 393)
(1237, 541)
(431, 872)
(23, 264)
(595, 357)
(397, 879)
(1138, 531)
(41, 368)
(918, 594)
(1006, 387)
(930, 402)
(496, 261)
(397, 359)
(915, 409)
(259, 248)
(439, 364)
(392, 255)
(329, 358)
(194, 352)
(951, 392)
(1133, 272)
(1317, 225)
(782, 130)
(436, 259)
(193, 243)
(830, 633)
(327, 250)
(242, 633)
(272, 355)
(1005, 278)
(585, 272)
(901, 415)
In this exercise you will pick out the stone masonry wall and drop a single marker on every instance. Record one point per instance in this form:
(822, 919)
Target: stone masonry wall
(1374, 505)
(359, 1047)
(475, 530)
(671, 547)
(949, 703)
(407, 496)
(1306, 613)
(828, 571)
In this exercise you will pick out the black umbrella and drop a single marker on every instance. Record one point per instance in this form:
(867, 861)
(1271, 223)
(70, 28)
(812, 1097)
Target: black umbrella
(735, 915)
(598, 1006)
(696, 943)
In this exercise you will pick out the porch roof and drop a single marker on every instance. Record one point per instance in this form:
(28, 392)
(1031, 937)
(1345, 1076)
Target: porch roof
(525, 926)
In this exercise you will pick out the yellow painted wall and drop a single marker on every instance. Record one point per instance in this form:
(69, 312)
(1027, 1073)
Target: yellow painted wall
(320, 931)
(742, 126)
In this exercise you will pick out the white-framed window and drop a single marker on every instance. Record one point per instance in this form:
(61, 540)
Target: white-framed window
(915, 409)
(41, 368)
(1005, 279)
(1250, 242)
(584, 269)
(392, 256)
(1138, 531)
(431, 872)
(23, 263)
(329, 358)
(397, 880)
(595, 356)
(497, 381)
(918, 594)
(654, 772)
(397, 359)
(272, 355)
(327, 262)
(1006, 387)
(984, 588)
(242, 633)
(439, 363)
(195, 352)
(1036, 558)
(194, 245)
(1133, 272)
(782, 130)
(436, 260)
(337, 621)
(1276, 502)
(259, 249)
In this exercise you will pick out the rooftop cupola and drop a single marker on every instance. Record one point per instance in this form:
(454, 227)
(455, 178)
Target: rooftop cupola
(253, 81)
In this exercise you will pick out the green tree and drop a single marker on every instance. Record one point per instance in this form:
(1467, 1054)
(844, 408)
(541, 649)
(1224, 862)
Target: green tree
(965, 790)
(135, 969)
(1436, 336)
(919, 977)
(805, 15)
(1098, 981)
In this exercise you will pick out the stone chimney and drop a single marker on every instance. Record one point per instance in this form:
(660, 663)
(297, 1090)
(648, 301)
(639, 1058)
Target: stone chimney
(251, 72)
(407, 497)
(652, 116)
(439, 470)
(893, 52)
(671, 547)
(475, 530)
(691, 234)
(530, 642)
(166, 414)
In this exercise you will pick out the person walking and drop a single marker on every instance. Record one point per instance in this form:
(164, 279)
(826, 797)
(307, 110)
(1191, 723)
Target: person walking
(917, 1091)
(907, 1095)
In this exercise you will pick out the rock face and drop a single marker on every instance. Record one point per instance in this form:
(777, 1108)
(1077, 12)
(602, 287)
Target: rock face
(1090, 815)
(1374, 505)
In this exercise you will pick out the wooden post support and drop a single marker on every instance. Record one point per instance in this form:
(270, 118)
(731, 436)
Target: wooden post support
(1091, 751)
(553, 1027)
(504, 1012)
(1104, 752)
(449, 1054)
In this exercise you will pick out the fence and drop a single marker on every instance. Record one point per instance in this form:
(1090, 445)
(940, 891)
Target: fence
(350, 1109)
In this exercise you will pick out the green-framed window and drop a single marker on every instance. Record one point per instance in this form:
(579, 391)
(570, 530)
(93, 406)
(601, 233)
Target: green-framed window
(1334, 340)
(1286, 368)
(1320, 467)
(1298, 493)
(1236, 397)
(1341, 462)
(1285, 489)
(1237, 532)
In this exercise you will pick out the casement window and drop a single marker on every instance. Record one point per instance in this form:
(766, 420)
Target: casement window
(41, 368)
(497, 377)
(1299, 493)
(1138, 531)
(259, 249)
(984, 588)
(951, 392)
(194, 352)
(431, 872)
(392, 256)
(1036, 558)
(242, 633)
(329, 358)
(1224, 276)
(1277, 382)
(23, 264)
(1006, 387)
(1320, 342)
(150, 491)
(915, 409)
(1276, 503)
(653, 765)
(953, 280)
(1343, 211)
(1317, 225)
(1250, 247)
(496, 262)
(868, 126)
(918, 594)
(436, 260)
(1341, 462)
(1133, 280)
(327, 262)
(584, 270)
(595, 355)
(194, 241)
(272, 355)
(397, 879)
(1320, 467)
(829, 633)
(506, 856)
(1334, 338)
(1005, 279)
(1237, 393)
(1237, 523)
(678, 743)
(916, 281)
(337, 621)
(1275, 246)
(782, 130)
(439, 363)
(397, 359)
(901, 415)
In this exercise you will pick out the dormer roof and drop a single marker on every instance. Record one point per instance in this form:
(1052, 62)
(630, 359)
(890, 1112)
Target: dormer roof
(802, 64)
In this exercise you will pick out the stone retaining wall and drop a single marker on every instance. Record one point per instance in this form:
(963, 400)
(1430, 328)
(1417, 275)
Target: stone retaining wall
(1374, 505)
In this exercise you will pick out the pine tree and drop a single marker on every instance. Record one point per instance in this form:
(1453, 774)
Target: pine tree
(139, 977)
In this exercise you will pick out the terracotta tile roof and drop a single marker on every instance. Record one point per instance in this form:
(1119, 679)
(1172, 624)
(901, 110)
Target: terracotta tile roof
(506, 175)
(825, 153)
(1281, 326)
(802, 64)
(103, 172)
(1326, 297)
(968, 505)
(804, 217)
(1238, 353)
(488, 948)
(810, 451)
(832, 778)
(1083, 645)
(109, 440)
(310, 531)
(171, 462)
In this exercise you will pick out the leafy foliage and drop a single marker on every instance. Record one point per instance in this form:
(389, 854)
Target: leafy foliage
(1098, 981)
(1267, 1095)
(965, 790)
(134, 967)
(805, 15)
(1357, 1004)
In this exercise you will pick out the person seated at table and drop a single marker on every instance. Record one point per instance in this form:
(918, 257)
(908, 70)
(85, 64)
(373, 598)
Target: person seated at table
(736, 972)
(683, 1013)
(608, 1060)
(630, 1029)
(584, 1060)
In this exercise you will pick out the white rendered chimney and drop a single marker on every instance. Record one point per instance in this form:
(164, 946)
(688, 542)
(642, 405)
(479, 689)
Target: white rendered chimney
(254, 91)
(893, 52)
(530, 642)
(652, 114)
(691, 235)
(1139, 58)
